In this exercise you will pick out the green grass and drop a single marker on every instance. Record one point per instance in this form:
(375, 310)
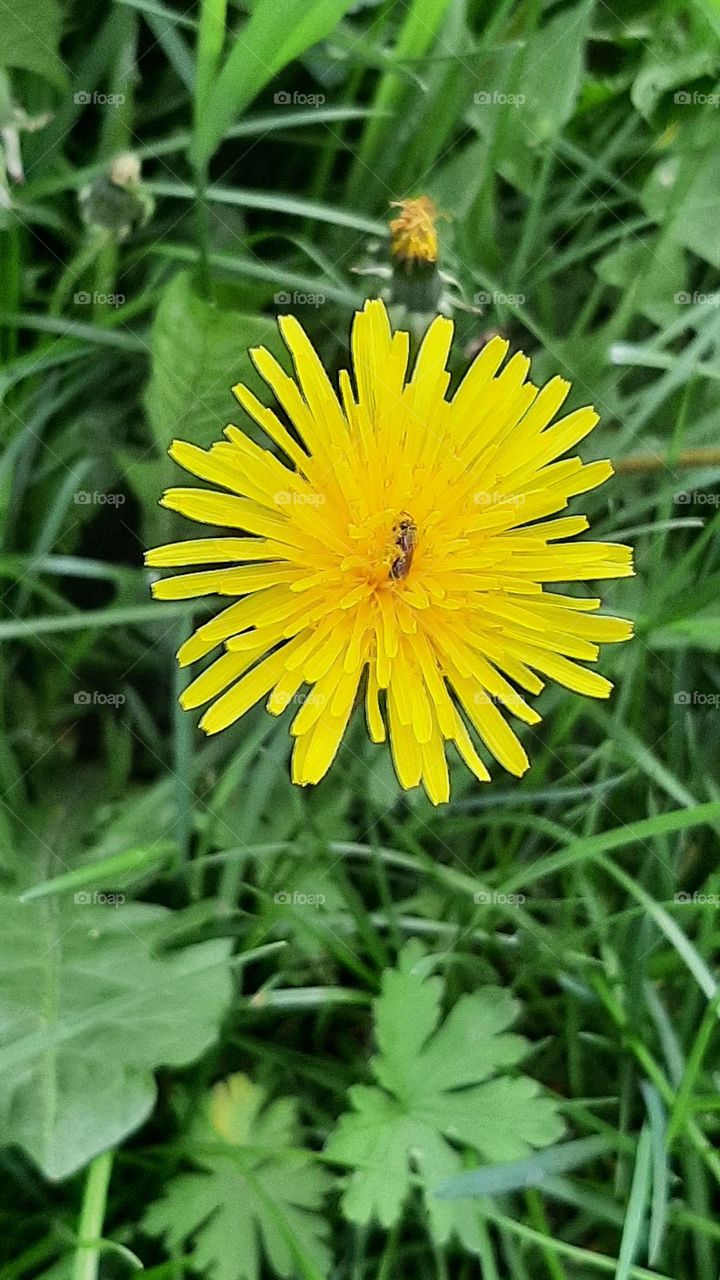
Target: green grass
(245, 926)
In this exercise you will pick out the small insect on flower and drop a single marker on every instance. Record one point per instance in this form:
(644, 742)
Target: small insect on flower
(405, 535)
(398, 546)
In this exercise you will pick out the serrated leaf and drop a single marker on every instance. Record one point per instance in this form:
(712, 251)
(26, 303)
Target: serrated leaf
(199, 352)
(442, 1094)
(259, 1196)
(89, 1006)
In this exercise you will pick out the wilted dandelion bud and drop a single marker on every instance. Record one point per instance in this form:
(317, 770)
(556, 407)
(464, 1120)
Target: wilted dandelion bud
(116, 202)
(416, 289)
(413, 234)
(125, 170)
(416, 281)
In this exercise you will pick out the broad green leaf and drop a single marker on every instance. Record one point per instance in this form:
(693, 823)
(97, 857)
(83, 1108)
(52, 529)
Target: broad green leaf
(443, 1090)
(525, 96)
(659, 272)
(30, 39)
(682, 195)
(552, 73)
(259, 1195)
(273, 36)
(667, 66)
(89, 1006)
(198, 353)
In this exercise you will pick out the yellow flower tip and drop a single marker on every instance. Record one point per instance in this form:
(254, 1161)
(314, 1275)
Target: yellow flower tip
(435, 799)
(258, 355)
(412, 551)
(188, 652)
(209, 723)
(413, 235)
(291, 330)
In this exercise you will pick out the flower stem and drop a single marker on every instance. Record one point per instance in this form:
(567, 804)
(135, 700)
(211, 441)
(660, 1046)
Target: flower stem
(203, 232)
(639, 462)
(92, 1216)
(388, 1258)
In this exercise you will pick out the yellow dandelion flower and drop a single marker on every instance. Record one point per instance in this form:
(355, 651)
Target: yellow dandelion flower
(403, 551)
(413, 237)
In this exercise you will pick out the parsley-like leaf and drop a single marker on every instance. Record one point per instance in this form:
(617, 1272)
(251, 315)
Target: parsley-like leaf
(258, 1193)
(441, 1091)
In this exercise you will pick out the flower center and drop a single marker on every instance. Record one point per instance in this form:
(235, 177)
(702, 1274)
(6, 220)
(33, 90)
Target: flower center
(384, 547)
(405, 542)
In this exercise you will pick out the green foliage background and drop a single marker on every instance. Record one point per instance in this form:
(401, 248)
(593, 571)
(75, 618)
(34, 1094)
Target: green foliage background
(249, 1030)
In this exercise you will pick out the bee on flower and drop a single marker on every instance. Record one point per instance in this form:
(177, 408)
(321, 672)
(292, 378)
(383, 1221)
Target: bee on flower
(401, 552)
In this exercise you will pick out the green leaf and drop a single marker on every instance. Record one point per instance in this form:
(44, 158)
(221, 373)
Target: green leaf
(688, 633)
(660, 1201)
(552, 72)
(258, 1194)
(198, 353)
(30, 39)
(273, 36)
(443, 1091)
(660, 273)
(667, 66)
(635, 1226)
(681, 193)
(533, 1172)
(89, 1006)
